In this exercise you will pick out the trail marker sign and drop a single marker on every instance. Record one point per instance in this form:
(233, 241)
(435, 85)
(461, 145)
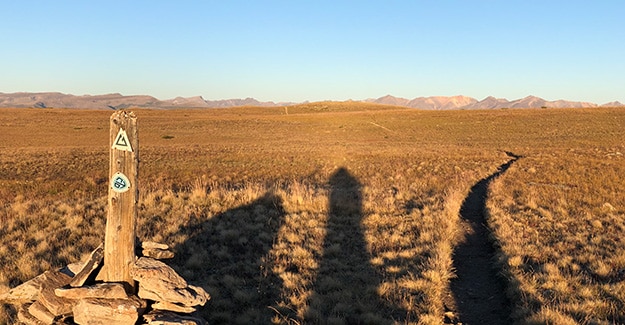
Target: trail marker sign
(120, 183)
(120, 238)
(122, 142)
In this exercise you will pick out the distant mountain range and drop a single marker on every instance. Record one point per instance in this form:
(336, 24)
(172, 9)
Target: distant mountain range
(464, 102)
(119, 101)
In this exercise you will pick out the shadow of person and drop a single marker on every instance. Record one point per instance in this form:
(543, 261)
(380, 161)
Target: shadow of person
(227, 256)
(345, 290)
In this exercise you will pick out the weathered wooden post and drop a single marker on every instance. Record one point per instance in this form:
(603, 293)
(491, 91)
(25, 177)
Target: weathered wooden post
(119, 242)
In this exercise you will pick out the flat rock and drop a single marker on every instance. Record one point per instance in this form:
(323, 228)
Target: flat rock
(72, 269)
(95, 259)
(153, 245)
(40, 312)
(108, 311)
(189, 296)
(159, 254)
(155, 273)
(164, 305)
(158, 317)
(101, 290)
(56, 305)
(159, 282)
(24, 316)
(25, 292)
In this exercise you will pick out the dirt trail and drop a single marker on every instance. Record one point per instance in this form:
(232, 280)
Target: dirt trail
(478, 293)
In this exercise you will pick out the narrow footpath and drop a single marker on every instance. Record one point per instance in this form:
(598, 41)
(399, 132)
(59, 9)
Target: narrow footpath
(478, 293)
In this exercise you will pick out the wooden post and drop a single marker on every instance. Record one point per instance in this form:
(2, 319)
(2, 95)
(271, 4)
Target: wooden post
(119, 243)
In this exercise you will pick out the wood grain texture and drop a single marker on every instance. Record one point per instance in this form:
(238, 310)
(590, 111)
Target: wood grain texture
(119, 246)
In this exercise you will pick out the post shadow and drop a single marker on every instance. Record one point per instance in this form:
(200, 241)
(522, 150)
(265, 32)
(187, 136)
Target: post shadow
(226, 256)
(345, 289)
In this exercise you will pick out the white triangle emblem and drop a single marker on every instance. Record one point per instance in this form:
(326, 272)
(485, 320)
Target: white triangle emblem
(122, 142)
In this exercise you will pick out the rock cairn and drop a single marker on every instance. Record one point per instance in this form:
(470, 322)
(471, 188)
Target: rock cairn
(74, 295)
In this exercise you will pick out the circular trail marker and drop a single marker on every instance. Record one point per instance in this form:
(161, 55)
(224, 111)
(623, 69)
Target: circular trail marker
(120, 183)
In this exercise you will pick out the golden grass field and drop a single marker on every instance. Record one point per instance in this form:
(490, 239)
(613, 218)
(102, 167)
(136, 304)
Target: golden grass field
(332, 213)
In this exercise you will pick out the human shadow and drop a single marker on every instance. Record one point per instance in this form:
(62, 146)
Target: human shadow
(345, 289)
(226, 255)
(478, 290)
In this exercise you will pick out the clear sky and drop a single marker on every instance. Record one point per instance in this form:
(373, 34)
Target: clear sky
(316, 50)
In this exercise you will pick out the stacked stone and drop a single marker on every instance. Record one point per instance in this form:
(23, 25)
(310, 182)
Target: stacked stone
(71, 295)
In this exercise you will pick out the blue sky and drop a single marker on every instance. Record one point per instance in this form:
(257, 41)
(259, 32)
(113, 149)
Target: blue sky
(316, 50)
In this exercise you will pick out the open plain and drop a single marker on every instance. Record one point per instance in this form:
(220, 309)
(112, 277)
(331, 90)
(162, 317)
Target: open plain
(340, 213)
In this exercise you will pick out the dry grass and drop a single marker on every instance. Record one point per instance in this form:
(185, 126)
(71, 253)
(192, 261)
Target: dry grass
(334, 213)
(559, 217)
(343, 251)
(561, 224)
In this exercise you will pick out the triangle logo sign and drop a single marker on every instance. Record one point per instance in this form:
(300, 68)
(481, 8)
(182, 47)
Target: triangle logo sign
(122, 142)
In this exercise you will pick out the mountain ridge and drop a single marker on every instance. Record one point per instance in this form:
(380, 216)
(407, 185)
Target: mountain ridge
(119, 101)
(490, 102)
